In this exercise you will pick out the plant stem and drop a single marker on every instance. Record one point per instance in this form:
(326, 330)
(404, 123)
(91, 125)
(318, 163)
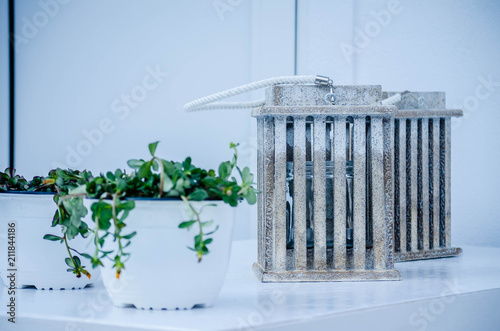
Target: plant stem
(71, 256)
(162, 175)
(117, 231)
(96, 238)
(198, 220)
(66, 239)
(113, 208)
(115, 220)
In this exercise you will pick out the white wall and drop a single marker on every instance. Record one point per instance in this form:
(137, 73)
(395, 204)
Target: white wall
(450, 46)
(91, 52)
(74, 68)
(73, 74)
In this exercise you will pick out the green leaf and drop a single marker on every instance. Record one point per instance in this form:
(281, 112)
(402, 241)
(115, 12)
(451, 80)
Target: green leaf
(187, 164)
(208, 241)
(179, 186)
(168, 184)
(155, 165)
(224, 170)
(209, 233)
(144, 170)
(128, 236)
(69, 262)
(209, 181)
(187, 184)
(197, 241)
(102, 212)
(230, 199)
(186, 224)
(118, 173)
(168, 167)
(198, 195)
(76, 211)
(135, 164)
(87, 256)
(52, 237)
(126, 205)
(77, 261)
(72, 232)
(215, 192)
(208, 223)
(80, 189)
(152, 148)
(110, 176)
(246, 176)
(250, 196)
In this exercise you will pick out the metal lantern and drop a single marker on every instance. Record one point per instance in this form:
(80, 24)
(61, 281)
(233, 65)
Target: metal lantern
(325, 212)
(422, 177)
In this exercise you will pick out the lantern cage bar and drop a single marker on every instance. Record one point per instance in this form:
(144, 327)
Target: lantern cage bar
(422, 176)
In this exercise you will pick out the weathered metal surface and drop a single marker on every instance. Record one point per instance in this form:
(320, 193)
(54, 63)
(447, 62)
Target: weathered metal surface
(339, 194)
(422, 113)
(447, 190)
(412, 144)
(307, 95)
(267, 189)
(319, 191)
(413, 185)
(359, 210)
(260, 198)
(419, 100)
(308, 138)
(425, 183)
(279, 183)
(435, 182)
(389, 195)
(432, 177)
(379, 198)
(375, 110)
(299, 191)
(345, 274)
(324, 275)
(402, 185)
(427, 254)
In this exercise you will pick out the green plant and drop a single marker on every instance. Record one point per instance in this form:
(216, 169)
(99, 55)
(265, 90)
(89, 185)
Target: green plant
(10, 182)
(70, 209)
(69, 213)
(153, 178)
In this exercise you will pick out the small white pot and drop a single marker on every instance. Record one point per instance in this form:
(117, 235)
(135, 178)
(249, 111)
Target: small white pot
(38, 262)
(162, 273)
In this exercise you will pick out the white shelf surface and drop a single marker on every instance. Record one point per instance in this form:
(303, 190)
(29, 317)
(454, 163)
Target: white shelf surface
(460, 293)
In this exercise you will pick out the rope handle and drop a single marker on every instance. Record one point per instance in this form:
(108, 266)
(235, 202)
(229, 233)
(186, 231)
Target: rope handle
(211, 101)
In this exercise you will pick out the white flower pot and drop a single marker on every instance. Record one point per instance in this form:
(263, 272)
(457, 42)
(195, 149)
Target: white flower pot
(38, 262)
(162, 273)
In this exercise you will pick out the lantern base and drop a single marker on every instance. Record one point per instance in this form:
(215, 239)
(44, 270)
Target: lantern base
(290, 276)
(427, 254)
